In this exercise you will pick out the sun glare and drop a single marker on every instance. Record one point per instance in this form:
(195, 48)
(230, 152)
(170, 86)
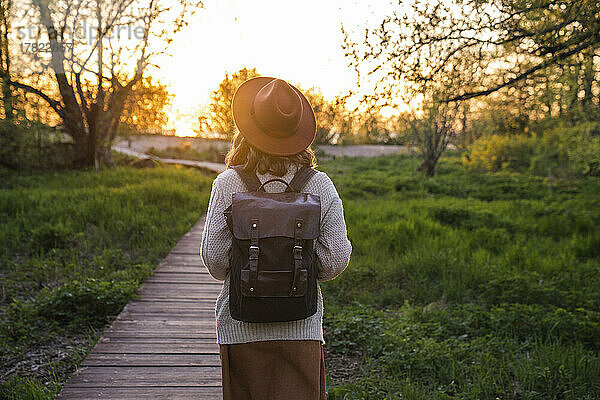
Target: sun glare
(299, 42)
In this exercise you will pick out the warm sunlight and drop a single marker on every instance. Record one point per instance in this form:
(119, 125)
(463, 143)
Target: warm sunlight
(318, 199)
(299, 42)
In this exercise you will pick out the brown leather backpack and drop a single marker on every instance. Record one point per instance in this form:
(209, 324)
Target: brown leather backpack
(274, 268)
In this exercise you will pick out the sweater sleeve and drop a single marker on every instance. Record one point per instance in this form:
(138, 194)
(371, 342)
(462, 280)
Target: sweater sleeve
(216, 239)
(332, 246)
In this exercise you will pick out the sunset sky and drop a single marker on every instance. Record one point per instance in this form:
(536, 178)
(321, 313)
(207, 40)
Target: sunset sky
(296, 41)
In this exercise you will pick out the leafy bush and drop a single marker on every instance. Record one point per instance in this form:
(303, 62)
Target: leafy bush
(73, 306)
(30, 145)
(519, 153)
(88, 302)
(50, 235)
(562, 151)
(584, 148)
(17, 145)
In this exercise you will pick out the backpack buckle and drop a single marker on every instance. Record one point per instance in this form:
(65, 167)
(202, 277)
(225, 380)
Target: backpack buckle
(253, 252)
(297, 252)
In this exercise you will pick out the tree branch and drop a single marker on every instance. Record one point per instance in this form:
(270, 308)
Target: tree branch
(525, 74)
(56, 105)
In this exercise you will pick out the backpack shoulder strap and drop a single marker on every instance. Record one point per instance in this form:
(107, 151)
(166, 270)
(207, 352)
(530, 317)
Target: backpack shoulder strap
(249, 178)
(299, 180)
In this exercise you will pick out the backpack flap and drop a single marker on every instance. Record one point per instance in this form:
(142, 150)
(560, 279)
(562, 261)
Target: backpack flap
(276, 214)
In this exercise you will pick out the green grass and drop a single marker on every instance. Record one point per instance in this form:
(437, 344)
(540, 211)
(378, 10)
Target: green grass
(74, 248)
(463, 286)
(466, 286)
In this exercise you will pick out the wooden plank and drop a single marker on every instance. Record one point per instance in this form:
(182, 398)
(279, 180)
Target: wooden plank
(180, 262)
(184, 258)
(168, 307)
(154, 313)
(184, 278)
(172, 316)
(193, 236)
(175, 294)
(214, 285)
(161, 331)
(181, 290)
(186, 252)
(122, 347)
(187, 248)
(179, 295)
(175, 268)
(146, 376)
(133, 360)
(182, 266)
(173, 303)
(148, 333)
(171, 296)
(190, 241)
(162, 323)
(131, 393)
(159, 340)
(187, 259)
(191, 245)
(176, 301)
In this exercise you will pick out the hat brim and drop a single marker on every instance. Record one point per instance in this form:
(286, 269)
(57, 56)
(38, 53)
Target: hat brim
(293, 144)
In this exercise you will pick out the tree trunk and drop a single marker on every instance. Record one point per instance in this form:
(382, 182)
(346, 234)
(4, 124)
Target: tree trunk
(428, 166)
(589, 73)
(7, 95)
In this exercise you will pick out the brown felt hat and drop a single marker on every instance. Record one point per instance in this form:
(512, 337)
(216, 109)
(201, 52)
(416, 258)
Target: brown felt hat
(274, 116)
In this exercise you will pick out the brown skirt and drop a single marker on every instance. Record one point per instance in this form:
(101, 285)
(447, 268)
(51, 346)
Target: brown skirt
(273, 370)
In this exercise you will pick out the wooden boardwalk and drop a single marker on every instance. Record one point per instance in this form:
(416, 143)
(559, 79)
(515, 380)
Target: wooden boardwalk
(211, 166)
(162, 345)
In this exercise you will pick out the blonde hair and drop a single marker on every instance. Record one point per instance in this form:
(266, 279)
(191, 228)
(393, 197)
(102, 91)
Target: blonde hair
(253, 159)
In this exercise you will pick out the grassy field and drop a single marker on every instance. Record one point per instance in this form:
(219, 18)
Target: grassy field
(74, 247)
(465, 286)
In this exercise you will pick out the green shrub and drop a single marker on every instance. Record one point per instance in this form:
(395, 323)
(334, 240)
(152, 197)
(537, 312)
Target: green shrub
(50, 235)
(31, 145)
(84, 302)
(562, 151)
(521, 153)
(584, 148)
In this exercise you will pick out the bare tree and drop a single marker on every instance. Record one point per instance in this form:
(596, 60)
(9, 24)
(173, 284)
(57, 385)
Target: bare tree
(432, 127)
(505, 42)
(6, 9)
(89, 78)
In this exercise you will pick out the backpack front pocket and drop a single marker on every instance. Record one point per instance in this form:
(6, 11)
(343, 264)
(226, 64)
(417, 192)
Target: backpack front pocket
(273, 284)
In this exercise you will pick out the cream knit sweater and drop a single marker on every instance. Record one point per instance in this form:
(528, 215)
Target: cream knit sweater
(332, 248)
